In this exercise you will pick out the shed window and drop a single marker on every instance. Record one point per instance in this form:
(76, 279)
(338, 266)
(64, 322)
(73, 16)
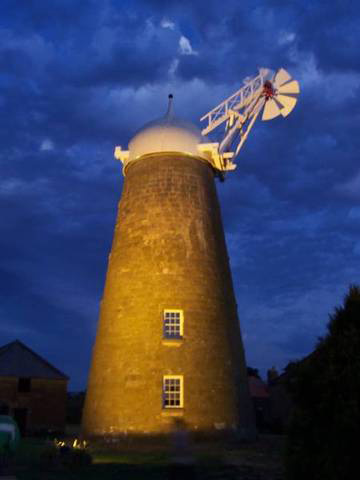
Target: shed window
(24, 384)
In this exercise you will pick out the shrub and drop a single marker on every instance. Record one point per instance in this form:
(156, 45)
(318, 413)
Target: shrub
(76, 458)
(64, 456)
(325, 427)
(48, 456)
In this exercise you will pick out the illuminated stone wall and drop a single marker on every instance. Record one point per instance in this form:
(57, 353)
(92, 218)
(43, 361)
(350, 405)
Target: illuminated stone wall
(168, 252)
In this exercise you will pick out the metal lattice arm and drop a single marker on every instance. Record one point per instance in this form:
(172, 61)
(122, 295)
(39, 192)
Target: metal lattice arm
(236, 102)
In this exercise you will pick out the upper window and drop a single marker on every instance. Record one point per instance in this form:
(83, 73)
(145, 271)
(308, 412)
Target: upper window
(173, 323)
(173, 391)
(24, 384)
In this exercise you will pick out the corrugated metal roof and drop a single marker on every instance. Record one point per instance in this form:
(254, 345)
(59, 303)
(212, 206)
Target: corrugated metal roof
(18, 360)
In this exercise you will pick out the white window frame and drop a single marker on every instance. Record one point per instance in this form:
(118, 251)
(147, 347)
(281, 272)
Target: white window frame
(181, 393)
(181, 317)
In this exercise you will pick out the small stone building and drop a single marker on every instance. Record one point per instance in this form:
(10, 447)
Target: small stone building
(260, 398)
(31, 390)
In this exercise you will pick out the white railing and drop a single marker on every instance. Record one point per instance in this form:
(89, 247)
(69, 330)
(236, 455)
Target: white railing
(237, 101)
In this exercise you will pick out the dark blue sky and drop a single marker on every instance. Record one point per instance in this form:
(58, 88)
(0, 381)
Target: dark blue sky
(79, 77)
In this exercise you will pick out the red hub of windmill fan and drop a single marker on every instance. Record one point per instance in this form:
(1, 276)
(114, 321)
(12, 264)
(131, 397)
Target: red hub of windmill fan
(268, 91)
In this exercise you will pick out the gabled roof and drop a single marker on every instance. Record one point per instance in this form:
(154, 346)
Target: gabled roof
(18, 360)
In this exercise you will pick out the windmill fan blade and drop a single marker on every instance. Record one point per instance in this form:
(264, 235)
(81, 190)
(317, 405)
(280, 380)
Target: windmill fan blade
(271, 110)
(288, 104)
(281, 77)
(291, 87)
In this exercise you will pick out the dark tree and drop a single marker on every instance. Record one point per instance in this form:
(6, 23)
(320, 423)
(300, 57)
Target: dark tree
(323, 437)
(253, 372)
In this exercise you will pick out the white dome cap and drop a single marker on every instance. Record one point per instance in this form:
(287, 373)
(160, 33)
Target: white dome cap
(169, 134)
(166, 134)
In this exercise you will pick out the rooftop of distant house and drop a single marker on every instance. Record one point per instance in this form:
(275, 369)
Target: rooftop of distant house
(18, 360)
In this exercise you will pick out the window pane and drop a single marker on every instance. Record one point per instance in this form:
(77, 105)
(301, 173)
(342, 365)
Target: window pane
(172, 393)
(172, 324)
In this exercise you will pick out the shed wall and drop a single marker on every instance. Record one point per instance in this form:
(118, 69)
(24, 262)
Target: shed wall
(45, 403)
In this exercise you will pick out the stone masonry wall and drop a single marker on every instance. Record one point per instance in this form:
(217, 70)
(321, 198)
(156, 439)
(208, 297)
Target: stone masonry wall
(168, 252)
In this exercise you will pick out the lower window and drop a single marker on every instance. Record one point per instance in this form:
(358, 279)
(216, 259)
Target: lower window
(173, 391)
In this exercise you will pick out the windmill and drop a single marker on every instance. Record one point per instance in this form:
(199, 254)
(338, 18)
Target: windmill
(169, 345)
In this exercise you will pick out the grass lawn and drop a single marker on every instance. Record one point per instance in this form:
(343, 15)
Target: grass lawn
(257, 461)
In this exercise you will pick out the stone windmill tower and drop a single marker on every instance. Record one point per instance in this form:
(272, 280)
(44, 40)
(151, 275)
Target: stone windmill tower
(168, 344)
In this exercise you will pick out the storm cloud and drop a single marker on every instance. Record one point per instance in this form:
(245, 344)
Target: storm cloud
(79, 77)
